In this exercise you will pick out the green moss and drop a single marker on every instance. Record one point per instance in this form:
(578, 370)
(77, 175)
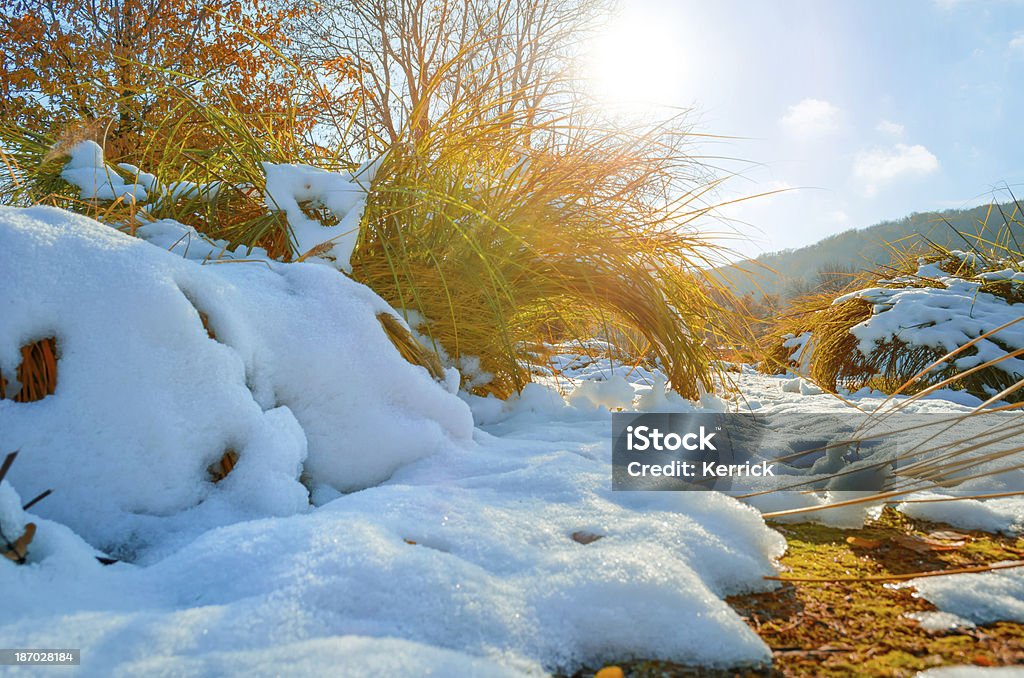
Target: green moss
(861, 628)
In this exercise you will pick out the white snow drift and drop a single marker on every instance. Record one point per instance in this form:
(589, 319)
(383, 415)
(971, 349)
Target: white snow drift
(301, 377)
(457, 555)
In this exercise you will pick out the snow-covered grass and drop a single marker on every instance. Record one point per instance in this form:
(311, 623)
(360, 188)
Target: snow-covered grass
(951, 319)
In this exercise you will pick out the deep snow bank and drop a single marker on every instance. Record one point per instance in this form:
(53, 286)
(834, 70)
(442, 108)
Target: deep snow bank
(300, 379)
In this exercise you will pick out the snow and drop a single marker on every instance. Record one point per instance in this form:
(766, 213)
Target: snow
(374, 520)
(189, 243)
(344, 195)
(940, 621)
(301, 377)
(973, 672)
(95, 180)
(981, 598)
(289, 189)
(1003, 514)
(367, 522)
(493, 572)
(945, 317)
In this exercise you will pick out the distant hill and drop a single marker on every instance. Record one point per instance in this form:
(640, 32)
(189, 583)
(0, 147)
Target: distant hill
(794, 271)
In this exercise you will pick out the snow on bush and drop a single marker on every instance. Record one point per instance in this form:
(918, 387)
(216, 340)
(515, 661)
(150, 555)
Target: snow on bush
(884, 335)
(95, 180)
(298, 378)
(343, 195)
(292, 189)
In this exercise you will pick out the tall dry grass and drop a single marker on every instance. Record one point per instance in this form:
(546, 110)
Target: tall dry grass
(506, 234)
(507, 211)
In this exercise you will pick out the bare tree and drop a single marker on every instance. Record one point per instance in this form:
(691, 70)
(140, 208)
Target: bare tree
(445, 62)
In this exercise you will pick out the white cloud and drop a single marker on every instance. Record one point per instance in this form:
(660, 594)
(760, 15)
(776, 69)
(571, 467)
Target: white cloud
(881, 166)
(890, 127)
(811, 118)
(1017, 42)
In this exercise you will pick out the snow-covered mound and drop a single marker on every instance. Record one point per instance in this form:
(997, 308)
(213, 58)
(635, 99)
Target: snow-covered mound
(300, 380)
(460, 557)
(948, 315)
(470, 550)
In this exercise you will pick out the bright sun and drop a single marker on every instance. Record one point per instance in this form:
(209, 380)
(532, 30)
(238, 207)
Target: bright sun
(635, 62)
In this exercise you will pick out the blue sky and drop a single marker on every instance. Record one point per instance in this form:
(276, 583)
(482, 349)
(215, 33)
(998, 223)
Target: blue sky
(871, 110)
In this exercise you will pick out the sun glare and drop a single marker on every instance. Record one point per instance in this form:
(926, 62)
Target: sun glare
(635, 62)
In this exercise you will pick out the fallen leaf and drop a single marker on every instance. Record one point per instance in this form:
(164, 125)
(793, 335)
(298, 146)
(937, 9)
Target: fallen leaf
(409, 541)
(585, 537)
(222, 468)
(610, 672)
(924, 544)
(948, 535)
(861, 543)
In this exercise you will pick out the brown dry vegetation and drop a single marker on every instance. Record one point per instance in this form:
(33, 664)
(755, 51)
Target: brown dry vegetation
(860, 628)
(893, 366)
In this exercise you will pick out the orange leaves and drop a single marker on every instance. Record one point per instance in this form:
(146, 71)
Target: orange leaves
(118, 60)
(920, 544)
(861, 543)
(933, 542)
(220, 470)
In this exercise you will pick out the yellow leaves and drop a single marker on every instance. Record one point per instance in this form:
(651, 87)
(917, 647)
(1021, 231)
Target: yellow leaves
(610, 672)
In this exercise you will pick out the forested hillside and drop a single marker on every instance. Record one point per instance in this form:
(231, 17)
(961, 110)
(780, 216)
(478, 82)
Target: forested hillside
(792, 272)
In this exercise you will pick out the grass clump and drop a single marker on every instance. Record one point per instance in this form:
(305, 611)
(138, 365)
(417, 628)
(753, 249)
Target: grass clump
(507, 212)
(499, 246)
(36, 374)
(940, 317)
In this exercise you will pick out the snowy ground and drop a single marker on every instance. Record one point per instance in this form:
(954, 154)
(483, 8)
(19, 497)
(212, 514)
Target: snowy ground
(442, 535)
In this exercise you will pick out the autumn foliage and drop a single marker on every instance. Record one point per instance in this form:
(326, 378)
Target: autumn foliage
(125, 67)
